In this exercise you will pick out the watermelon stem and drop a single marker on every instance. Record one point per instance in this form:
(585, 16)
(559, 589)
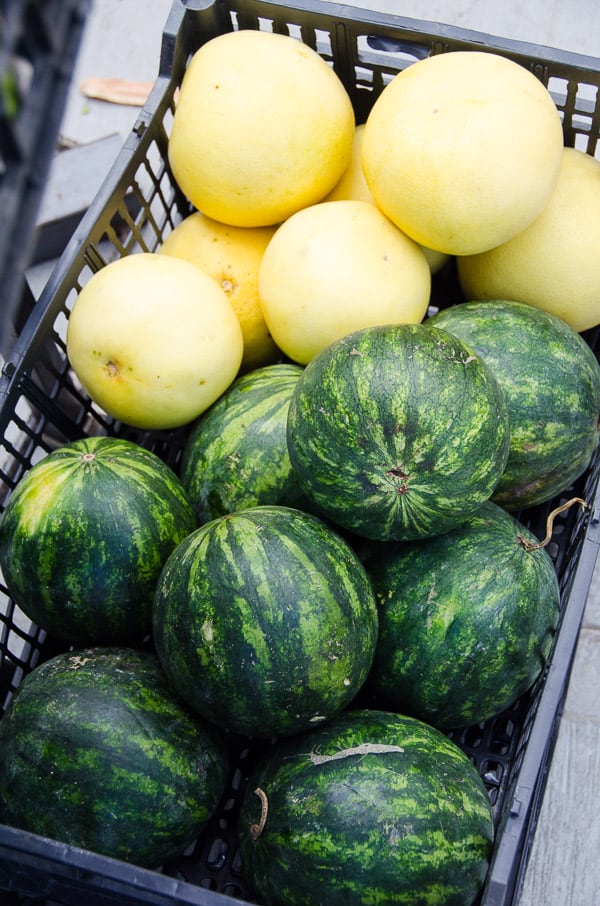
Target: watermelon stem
(532, 546)
(257, 829)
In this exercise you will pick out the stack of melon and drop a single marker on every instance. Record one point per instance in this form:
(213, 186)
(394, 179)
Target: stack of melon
(338, 565)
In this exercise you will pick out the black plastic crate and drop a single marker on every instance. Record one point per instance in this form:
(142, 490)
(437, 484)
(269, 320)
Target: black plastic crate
(39, 41)
(42, 406)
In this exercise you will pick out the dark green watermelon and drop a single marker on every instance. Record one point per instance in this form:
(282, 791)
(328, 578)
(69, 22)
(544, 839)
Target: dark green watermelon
(265, 621)
(97, 751)
(398, 432)
(236, 454)
(466, 620)
(372, 808)
(551, 382)
(85, 535)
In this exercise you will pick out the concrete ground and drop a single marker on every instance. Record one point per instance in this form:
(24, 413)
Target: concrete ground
(122, 40)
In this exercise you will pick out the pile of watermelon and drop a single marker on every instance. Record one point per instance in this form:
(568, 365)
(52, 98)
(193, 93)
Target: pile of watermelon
(338, 570)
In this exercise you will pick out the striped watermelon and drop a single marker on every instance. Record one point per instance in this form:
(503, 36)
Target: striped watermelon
(398, 432)
(466, 620)
(374, 807)
(84, 537)
(265, 621)
(236, 454)
(97, 751)
(551, 382)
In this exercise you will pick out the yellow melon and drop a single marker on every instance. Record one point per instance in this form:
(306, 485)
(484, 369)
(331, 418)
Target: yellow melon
(462, 150)
(554, 264)
(153, 340)
(263, 127)
(335, 267)
(353, 187)
(231, 256)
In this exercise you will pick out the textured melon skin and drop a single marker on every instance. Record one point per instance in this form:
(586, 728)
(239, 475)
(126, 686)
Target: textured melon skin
(466, 620)
(398, 432)
(97, 751)
(265, 621)
(85, 535)
(551, 382)
(236, 454)
(372, 808)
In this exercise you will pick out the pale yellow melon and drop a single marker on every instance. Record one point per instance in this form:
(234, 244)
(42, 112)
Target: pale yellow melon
(263, 127)
(353, 187)
(462, 150)
(153, 340)
(554, 264)
(231, 256)
(336, 267)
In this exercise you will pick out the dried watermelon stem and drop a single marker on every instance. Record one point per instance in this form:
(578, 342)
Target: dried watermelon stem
(257, 829)
(532, 546)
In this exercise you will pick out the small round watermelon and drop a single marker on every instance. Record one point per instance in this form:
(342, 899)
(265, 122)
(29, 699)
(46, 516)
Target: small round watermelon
(236, 454)
(265, 621)
(374, 807)
(85, 535)
(97, 751)
(398, 432)
(466, 619)
(551, 383)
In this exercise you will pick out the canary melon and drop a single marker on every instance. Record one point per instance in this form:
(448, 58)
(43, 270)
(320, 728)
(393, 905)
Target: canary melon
(462, 150)
(553, 264)
(263, 127)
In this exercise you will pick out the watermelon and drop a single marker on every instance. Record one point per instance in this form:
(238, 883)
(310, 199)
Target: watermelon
(265, 621)
(98, 752)
(551, 382)
(236, 454)
(374, 807)
(85, 535)
(466, 619)
(398, 432)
